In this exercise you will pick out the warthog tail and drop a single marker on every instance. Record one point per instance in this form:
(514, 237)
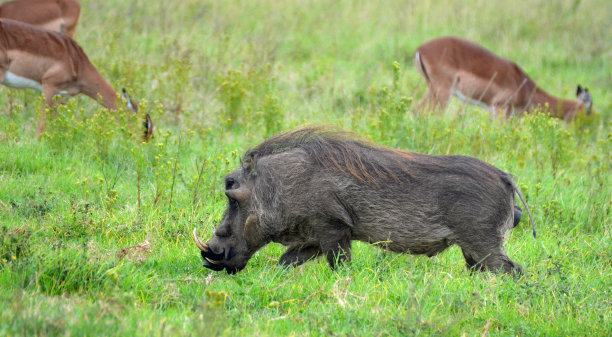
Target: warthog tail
(509, 180)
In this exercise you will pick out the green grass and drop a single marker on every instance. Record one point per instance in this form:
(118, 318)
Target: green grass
(95, 225)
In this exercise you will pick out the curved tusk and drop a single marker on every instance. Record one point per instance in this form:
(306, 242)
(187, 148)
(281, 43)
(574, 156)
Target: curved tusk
(211, 261)
(203, 247)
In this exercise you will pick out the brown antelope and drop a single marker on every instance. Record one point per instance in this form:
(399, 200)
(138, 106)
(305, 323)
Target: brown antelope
(56, 15)
(55, 64)
(454, 66)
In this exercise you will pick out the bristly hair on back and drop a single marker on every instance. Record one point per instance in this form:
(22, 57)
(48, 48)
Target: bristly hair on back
(338, 151)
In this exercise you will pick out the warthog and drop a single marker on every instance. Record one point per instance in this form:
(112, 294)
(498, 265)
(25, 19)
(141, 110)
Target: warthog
(315, 190)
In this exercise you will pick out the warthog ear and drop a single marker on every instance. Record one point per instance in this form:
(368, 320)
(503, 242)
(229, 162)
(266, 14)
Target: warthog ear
(248, 163)
(252, 232)
(579, 90)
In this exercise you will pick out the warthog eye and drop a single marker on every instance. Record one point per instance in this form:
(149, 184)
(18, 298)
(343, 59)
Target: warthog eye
(230, 184)
(223, 231)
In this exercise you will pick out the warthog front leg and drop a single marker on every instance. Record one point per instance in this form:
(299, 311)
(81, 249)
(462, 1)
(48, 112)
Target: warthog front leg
(296, 255)
(337, 247)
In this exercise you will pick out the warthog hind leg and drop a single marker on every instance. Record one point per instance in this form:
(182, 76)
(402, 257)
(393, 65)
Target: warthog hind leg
(296, 255)
(518, 213)
(495, 259)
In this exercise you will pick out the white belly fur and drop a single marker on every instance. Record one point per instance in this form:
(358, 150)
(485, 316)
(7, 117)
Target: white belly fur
(14, 81)
(469, 100)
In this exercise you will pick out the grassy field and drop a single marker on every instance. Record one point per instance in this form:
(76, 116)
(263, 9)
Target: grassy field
(95, 225)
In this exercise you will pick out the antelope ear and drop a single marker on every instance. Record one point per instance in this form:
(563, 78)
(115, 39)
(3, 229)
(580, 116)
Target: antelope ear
(588, 100)
(128, 101)
(148, 127)
(579, 90)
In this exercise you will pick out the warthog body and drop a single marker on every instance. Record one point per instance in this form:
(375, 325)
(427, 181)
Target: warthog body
(316, 190)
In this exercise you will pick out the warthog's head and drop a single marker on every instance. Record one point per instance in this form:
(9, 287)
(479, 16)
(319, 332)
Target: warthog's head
(239, 235)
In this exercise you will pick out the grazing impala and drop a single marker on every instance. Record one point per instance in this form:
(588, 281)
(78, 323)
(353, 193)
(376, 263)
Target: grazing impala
(55, 64)
(454, 66)
(56, 15)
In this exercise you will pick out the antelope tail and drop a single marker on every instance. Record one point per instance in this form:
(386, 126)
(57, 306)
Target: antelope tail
(418, 62)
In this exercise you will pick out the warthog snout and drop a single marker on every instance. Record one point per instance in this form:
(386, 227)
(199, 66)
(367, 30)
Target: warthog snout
(214, 255)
